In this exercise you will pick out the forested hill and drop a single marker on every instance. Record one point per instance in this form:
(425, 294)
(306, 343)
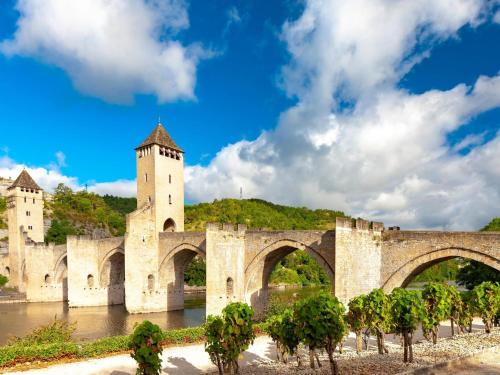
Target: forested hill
(255, 213)
(83, 212)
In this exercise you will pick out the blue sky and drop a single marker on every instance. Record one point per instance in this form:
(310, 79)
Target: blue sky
(389, 112)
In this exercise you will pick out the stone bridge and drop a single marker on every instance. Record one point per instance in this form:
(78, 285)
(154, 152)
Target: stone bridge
(146, 271)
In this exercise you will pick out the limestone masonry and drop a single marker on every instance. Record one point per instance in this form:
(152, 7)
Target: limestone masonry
(145, 268)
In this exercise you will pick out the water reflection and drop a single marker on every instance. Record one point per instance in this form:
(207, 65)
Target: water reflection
(94, 322)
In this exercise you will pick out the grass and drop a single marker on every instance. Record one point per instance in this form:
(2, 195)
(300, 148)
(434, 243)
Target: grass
(53, 342)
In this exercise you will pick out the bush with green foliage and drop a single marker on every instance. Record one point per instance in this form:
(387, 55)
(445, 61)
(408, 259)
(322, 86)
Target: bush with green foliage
(408, 312)
(320, 324)
(229, 335)
(456, 307)
(146, 348)
(3, 280)
(56, 331)
(282, 329)
(378, 314)
(437, 304)
(357, 318)
(3, 207)
(485, 298)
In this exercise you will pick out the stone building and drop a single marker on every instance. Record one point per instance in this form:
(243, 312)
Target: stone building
(145, 268)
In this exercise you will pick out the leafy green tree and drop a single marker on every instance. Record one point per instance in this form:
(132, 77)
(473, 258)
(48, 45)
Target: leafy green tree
(282, 329)
(378, 313)
(456, 307)
(437, 303)
(486, 301)
(59, 230)
(321, 323)
(407, 312)
(467, 312)
(3, 207)
(357, 318)
(146, 348)
(229, 336)
(3, 280)
(475, 273)
(195, 273)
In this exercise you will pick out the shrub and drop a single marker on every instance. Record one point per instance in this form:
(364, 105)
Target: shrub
(3, 280)
(321, 324)
(229, 336)
(378, 313)
(408, 311)
(456, 307)
(486, 301)
(146, 348)
(57, 331)
(282, 329)
(357, 318)
(437, 303)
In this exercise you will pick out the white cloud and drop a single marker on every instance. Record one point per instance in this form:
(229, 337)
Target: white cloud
(387, 156)
(48, 179)
(112, 49)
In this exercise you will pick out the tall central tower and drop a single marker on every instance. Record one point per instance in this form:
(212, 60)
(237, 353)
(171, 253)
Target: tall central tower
(160, 179)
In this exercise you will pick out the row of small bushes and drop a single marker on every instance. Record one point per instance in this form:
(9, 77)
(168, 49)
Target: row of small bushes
(53, 341)
(320, 322)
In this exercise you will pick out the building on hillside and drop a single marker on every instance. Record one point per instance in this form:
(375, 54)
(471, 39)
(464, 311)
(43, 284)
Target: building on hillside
(4, 185)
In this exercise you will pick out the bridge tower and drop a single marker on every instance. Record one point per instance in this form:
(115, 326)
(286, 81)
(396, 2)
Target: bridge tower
(25, 216)
(160, 180)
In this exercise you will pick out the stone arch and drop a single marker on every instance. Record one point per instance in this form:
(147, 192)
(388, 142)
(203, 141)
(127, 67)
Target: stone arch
(61, 275)
(259, 270)
(171, 273)
(405, 273)
(112, 276)
(169, 225)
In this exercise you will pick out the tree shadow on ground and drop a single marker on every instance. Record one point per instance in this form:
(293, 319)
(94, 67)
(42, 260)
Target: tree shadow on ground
(182, 366)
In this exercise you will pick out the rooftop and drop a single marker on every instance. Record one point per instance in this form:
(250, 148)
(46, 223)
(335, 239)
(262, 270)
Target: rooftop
(24, 180)
(160, 137)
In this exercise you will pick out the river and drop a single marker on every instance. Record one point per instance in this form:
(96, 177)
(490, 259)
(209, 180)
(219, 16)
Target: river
(18, 319)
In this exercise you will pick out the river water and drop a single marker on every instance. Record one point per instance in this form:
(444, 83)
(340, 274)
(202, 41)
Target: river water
(18, 319)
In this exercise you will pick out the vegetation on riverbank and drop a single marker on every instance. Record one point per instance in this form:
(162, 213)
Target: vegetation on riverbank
(3, 207)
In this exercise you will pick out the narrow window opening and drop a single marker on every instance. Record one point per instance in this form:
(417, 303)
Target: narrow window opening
(229, 287)
(151, 283)
(169, 199)
(48, 279)
(169, 179)
(24, 199)
(146, 177)
(90, 281)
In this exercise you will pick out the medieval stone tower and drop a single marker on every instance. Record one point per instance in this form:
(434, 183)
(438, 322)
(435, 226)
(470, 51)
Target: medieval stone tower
(25, 215)
(160, 180)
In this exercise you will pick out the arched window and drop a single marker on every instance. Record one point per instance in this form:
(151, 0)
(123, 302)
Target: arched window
(169, 226)
(90, 281)
(169, 178)
(151, 283)
(48, 279)
(7, 271)
(229, 287)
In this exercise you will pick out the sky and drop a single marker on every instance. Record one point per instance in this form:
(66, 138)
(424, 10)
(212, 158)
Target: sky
(385, 109)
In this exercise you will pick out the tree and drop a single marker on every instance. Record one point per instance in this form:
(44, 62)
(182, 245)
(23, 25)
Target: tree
(407, 312)
(437, 303)
(486, 301)
(146, 348)
(475, 273)
(3, 280)
(357, 318)
(229, 336)
(466, 312)
(195, 273)
(378, 313)
(456, 307)
(321, 324)
(282, 329)
(59, 230)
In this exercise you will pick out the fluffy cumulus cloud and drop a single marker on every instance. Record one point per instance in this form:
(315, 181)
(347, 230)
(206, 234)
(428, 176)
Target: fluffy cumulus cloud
(112, 49)
(358, 142)
(49, 177)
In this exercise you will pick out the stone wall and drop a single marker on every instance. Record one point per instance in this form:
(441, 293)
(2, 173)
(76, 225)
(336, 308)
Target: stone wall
(46, 277)
(90, 271)
(225, 249)
(358, 257)
(407, 253)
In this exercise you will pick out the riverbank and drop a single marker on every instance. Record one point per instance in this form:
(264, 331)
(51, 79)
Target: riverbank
(259, 358)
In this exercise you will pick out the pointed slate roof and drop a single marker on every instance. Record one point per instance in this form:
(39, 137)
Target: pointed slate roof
(160, 137)
(24, 180)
